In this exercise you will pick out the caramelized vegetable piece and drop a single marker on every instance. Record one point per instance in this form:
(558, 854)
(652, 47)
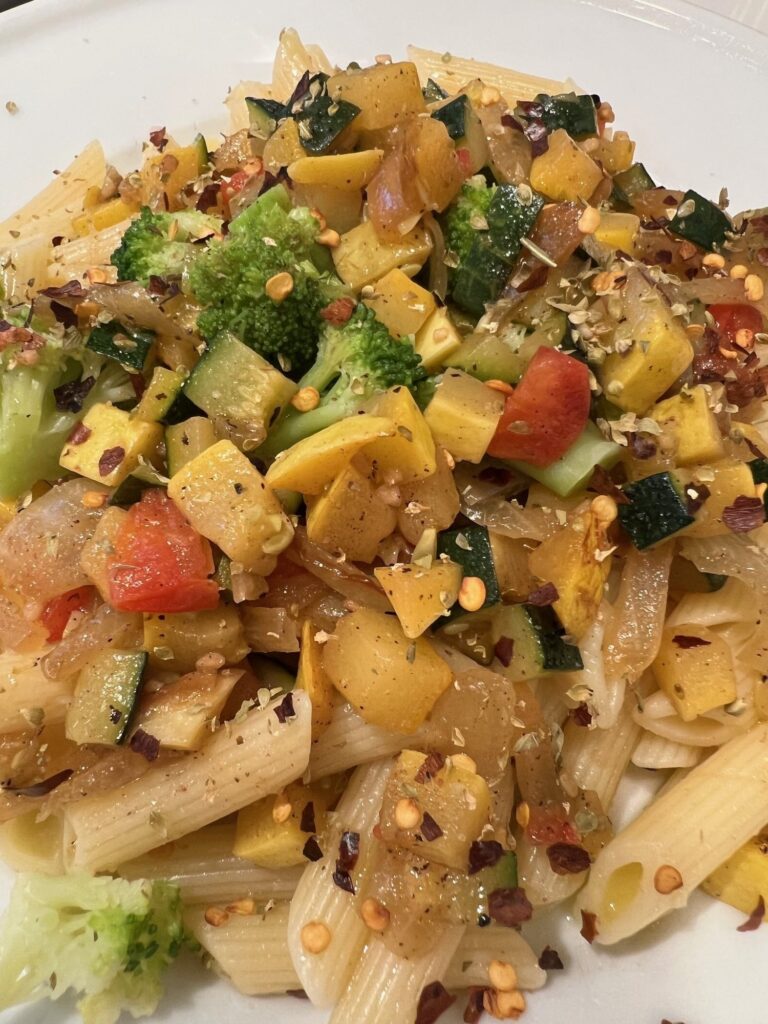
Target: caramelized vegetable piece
(362, 257)
(385, 93)
(430, 503)
(346, 171)
(463, 415)
(420, 596)
(409, 454)
(312, 677)
(565, 171)
(694, 668)
(400, 304)
(393, 682)
(179, 716)
(692, 426)
(174, 643)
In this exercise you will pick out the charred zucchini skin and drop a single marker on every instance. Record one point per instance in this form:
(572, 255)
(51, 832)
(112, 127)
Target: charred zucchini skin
(657, 509)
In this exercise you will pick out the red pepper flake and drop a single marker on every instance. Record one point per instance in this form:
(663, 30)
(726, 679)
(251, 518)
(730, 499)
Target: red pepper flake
(110, 460)
(39, 788)
(79, 434)
(144, 744)
(550, 960)
(544, 595)
(343, 880)
(158, 138)
(474, 1008)
(744, 514)
(338, 311)
(307, 823)
(696, 500)
(312, 849)
(642, 447)
(63, 314)
(510, 907)
(753, 448)
(581, 715)
(589, 926)
(504, 649)
(602, 483)
(484, 853)
(430, 767)
(433, 1002)
(70, 290)
(430, 830)
(755, 919)
(349, 850)
(568, 858)
(208, 196)
(686, 642)
(70, 397)
(285, 709)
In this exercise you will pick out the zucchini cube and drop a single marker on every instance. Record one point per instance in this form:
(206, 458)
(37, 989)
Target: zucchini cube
(657, 508)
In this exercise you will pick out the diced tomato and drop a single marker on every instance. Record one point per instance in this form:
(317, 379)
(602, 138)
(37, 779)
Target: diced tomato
(57, 612)
(464, 159)
(733, 317)
(547, 412)
(236, 183)
(161, 564)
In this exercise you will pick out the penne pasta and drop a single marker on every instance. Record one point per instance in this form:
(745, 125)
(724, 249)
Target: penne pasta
(27, 695)
(479, 946)
(239, 764)
(70, 260)
(654, 864)
(543, 887)
(27, 844)
(658, 753)
(596, 759)
(452, 73)
(350, 741)
(24, 267)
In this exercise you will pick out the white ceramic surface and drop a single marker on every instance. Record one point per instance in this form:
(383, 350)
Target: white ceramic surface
(690, 86)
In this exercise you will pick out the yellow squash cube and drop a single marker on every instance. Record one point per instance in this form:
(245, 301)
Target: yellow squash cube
(283, 147)
(180, 715)
(456, 799)
(111, 446)
(420, 596)
(392, 681)
(615, 154)
(350, 516)
(175, 641)
(727, 481)
(565, 172)
(228, 501)
(463, 415)
(399, 304)
(348, 172)
(743, 878)
(362, 258)
(409, 454)
(312, 678)
(692, 424)
(309, 465)
(431, 503)
(618, 231)
(694, 668)
(385, 93)
(437, 340)
(104, 215)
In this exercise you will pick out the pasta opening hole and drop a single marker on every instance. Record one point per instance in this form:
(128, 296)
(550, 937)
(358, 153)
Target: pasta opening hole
(622, 889)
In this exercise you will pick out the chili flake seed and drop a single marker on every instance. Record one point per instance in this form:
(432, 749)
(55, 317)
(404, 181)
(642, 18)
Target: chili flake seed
(279, 286)
(315, 937)
(738, 272)
(465, 762)
(504, 1005)
(472, 593)
(244, 907)
(745, 338)
(281, 809)
(754, 289)
(407, 813)
(375, 915)
(12, 107)
(502, 976)
(667, 879)
(93, 499)
(522, 814)
(589, 221)
(500, 385)
(96, 275)
(713, 260)
(306, 399)
(216, 917)
(329, 237)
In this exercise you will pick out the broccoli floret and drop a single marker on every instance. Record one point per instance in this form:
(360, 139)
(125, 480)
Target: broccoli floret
(46, 378)
(108, 939)
(161, 244)
(229, 277)
(466, 216)
(354, 362)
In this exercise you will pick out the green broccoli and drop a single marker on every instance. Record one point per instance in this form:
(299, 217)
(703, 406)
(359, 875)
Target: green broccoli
(484, 228)
(108, 939)
(354, 362)
(228, 280)
(46, 378)
(161, 244)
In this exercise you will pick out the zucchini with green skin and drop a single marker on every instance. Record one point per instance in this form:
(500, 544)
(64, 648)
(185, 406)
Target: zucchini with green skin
(470, 548)
(629, 183)
(186, 440)
(160, 394)
(264, 115)
(537, 645)
(572, 472)
(105, 698)
(454, 115)
(657, 509)
(433, 92)
(320, 118)
(128, 346)
(576, 114)
(701, 221)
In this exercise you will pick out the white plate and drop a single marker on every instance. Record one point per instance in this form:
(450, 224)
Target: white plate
(688, 85)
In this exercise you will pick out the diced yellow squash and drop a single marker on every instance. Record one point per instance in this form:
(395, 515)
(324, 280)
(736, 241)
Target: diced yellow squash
(431, 503)
(262, 837)
(513, 571)
(346, 171)
(463, 415)
(420, 596)
(180, 715)
(437, 339)
(400, 304)
(174, 168)
(104, 215)
(385, 93)
(113, 446)
(456, 799)
(312, 678)
(309, 465)
(577, 559)
(565, 172)
(392, 681)
(618, 231)
(409, 453)
(283, 147)
(154, 402)
(659, 352)
(743, 878)
(350, 516)
(341, 208)
(228, 501)
(697, 677)
(186, 440)
(726, 481)
(688, 418)
(174, 642)
(615, 154)
(362, 258)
